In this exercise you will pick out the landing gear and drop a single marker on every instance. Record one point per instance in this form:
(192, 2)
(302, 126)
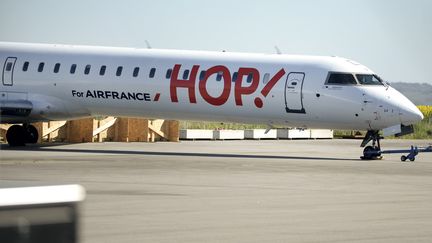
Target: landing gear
(16, 136)
(32, 134)
(372, 152)
(20, 135)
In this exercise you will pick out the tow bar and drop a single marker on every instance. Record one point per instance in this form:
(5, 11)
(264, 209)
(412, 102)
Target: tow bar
(412, 153)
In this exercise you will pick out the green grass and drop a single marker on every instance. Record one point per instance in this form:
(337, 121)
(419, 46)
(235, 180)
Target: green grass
(422, 130)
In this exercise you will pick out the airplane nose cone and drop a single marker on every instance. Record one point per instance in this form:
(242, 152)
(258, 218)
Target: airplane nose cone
(410, 114)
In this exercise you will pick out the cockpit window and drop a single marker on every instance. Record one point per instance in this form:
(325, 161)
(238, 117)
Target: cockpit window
(341, 79)
(369, 79)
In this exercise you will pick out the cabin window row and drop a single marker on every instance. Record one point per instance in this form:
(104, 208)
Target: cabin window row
(136, 70)
(219, 76)
(87, 69)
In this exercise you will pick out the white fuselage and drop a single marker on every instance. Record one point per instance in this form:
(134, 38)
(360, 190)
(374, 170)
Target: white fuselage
(59, 82)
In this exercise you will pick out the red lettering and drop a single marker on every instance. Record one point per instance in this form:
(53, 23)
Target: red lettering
(223, 98)
(269, 86)
(178, 83)
(245, 90)
(252, 74)
(157, 96)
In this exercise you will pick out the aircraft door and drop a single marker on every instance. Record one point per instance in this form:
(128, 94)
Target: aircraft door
(8, 68)
(294, 93)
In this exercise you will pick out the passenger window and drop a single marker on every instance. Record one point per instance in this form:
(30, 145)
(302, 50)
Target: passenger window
(119, 71)
(235, 76)
(249, 78)
(102, 70)
(168, 73)
(56, 67)
(186, 74)
(202, 75)
(341, 79)
(41, 66)
(25, 66)
(152, 72)
(219, 76)
(8, 66)
(136, 72)
(73, 68)
(266, 78)
(87, 69)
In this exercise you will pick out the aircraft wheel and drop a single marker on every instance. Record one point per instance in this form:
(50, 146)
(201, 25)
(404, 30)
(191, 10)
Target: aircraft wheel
(370, 151)
(412, 159)
(32, 134)
(16, 136)
(403, 158)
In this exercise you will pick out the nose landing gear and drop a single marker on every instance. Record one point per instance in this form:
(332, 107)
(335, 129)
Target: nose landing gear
(18, 135)
(372, 152)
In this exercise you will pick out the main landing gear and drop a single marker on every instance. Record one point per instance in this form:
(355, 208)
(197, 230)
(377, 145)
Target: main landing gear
(18, 135)
(372, 152)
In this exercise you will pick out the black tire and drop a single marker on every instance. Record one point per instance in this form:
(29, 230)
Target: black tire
(403, 158)
(412, 159)
(32, 134)
(16, 136)
(369, 151)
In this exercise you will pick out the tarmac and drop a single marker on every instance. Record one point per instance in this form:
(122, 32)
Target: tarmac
(236, 191)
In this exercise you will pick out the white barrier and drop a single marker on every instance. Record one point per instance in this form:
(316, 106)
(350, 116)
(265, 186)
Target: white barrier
(228, 134)
(260, 134)
(293, 133)
(193, 134)
(321, 133)
(196, 134)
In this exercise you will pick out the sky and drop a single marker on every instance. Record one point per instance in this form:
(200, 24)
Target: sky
(392, 37)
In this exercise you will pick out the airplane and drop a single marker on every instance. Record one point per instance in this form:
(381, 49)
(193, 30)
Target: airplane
(44, 82)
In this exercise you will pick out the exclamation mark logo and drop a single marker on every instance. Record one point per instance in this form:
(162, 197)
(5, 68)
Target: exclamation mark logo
(268, 87)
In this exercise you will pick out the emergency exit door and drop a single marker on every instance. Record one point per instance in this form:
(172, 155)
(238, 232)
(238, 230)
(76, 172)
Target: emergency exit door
(8, 68)
(294, 93)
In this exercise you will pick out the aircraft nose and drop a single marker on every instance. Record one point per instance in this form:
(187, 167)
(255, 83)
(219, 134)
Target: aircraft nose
(410, 114)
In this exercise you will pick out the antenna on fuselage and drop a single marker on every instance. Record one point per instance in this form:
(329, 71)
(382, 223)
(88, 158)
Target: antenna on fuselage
(278, 51)
(148, 44)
